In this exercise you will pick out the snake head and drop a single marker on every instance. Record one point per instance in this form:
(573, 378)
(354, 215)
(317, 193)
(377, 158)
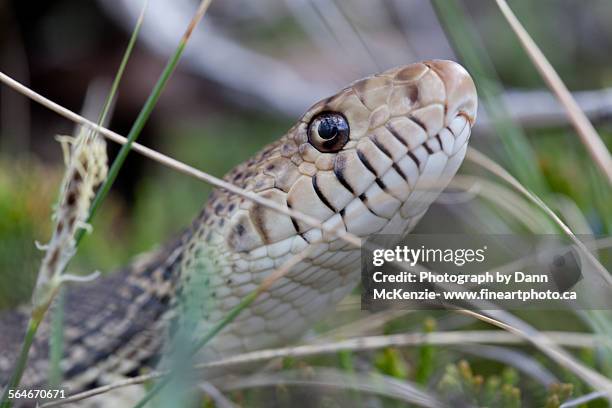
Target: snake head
(369, 159)
(395, 135)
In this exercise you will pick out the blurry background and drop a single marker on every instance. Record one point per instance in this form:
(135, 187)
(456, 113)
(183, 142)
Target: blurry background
(248, 73)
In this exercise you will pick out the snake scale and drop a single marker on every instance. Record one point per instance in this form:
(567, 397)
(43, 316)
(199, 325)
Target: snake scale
(369, 159)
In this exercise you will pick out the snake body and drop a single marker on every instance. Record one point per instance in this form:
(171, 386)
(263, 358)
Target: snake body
(392, 142)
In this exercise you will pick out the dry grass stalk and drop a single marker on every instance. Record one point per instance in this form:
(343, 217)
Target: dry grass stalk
(483, 161)
(547, 346)
(578, 118)
(220, 400)
(569, 339)
(86, 167)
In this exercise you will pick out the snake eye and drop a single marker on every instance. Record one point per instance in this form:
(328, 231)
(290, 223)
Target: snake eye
(328, 132)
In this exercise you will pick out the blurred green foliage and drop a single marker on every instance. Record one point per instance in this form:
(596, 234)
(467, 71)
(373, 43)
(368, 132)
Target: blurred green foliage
(165, 201)
(460, 383)
(27, 191)
(570, 172)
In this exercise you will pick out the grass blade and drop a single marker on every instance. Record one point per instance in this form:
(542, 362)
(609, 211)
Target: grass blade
(145, 112)
(56, 340)
(56, 349)
(480, 159)
(220, 325)
(521, 157)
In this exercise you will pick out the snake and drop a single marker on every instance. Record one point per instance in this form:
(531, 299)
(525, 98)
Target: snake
(368, 160)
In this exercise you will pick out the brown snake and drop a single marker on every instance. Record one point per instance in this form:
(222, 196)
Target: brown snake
(368, 160)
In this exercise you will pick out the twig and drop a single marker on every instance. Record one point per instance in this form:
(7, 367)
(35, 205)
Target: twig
(581, 123)
(539, 108)
(325, 378)
(294, 93)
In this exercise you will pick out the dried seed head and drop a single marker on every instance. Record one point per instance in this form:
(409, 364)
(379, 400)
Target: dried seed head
(86, 168)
